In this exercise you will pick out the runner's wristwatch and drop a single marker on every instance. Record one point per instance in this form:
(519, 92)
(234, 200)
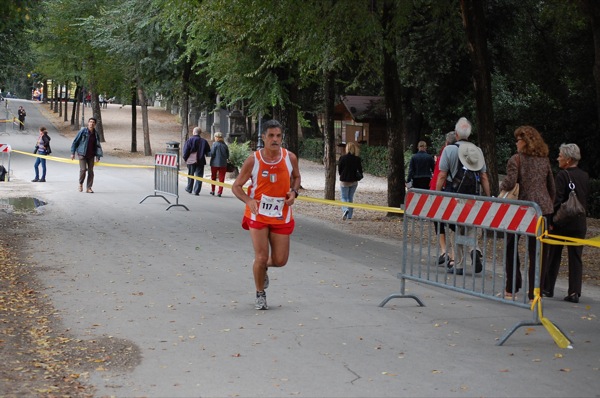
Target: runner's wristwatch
(294, 191)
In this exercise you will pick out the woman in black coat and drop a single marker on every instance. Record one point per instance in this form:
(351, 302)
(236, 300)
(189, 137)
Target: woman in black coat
(568, 159)
(349, 167)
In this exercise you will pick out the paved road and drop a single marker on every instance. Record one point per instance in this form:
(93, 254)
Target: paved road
(177, 286)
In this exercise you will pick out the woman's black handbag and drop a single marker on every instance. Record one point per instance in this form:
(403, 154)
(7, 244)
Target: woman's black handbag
(570, 209)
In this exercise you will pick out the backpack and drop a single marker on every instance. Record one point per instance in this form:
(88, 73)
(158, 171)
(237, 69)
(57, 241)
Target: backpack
(466, 181)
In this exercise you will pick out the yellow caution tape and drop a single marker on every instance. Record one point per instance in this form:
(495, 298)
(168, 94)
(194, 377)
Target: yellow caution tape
(309, 199)
(559, 338)
(569, 241)
(73, 161)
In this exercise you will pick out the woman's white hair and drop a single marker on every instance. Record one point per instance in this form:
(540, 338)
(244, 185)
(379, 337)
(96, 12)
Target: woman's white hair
(570, 151)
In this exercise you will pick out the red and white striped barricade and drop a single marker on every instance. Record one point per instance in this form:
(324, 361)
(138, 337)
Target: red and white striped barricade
(166, 178)
(475, 226)
(5, 162)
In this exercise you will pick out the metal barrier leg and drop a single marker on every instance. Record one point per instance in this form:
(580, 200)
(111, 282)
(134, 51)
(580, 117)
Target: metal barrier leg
(401, 294)
(177, 204)
(514, 329)
(155, 196)
(398, 295)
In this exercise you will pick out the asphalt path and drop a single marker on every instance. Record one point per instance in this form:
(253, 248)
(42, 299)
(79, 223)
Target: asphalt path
(176, 286)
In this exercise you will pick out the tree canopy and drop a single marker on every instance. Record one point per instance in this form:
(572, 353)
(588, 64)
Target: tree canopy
(284, 59)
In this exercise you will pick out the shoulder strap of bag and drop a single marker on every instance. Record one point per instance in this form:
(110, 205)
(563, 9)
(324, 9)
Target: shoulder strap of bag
(571, 183)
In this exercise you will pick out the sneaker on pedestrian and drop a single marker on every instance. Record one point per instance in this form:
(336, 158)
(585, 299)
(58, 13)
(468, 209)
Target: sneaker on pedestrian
(35, 180)
(42, 180)
(261, 301)
(345, 216)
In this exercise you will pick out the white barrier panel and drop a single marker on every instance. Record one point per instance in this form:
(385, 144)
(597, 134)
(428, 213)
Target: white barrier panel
(166, 178)
(485, 234)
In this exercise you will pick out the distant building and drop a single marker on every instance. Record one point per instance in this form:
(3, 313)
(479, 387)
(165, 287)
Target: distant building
(360, 119)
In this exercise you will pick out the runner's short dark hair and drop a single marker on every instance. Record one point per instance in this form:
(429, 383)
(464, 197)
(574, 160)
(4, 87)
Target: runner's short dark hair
(271, 124)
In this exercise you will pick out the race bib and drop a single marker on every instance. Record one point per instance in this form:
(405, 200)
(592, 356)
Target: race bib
(271, 207)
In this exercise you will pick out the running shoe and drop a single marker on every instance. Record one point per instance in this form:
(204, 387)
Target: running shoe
(261, 301)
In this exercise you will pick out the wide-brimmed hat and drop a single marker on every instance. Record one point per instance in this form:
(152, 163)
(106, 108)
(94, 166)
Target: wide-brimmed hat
(471, 156)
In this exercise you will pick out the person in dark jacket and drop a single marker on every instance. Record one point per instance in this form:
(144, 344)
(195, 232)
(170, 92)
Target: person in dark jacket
(420, 168)
(348, 167)
(568, 159)
(43, 148)
(219, 154)
(21, 113)
(195, 151)
(88, 148)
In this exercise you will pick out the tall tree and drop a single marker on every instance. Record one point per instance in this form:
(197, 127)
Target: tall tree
(474, 22)
(393, 108)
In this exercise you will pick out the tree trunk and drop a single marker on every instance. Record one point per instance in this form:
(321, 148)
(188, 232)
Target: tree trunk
(66, 99)
(393, 111)
(59, 102)
(75, 113)
(474, 23)
(145, 126)
(329, 156)
(96, 112)
(592, 8)
(292, 118)
(133, 118)
(185, 102)
(45, 91)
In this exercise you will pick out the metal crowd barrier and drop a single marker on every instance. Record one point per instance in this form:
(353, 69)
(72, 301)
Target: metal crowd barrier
(5, 162)
(166, 178)
(470, 221)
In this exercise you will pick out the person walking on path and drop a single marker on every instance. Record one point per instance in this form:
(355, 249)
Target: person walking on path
(219, 154)
(420, 168)
(446, 256)
(466, 158)
(21, 113)
(349, 166)
(530, 167)
(568, 160)
(42, 147)
(275, 180)
(195, 151)
(88, 149)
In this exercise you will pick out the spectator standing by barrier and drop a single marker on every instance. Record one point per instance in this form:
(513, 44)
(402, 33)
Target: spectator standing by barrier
(463, 170)
(530, 167)
(349, 169)
(420, 168)
(42, 147)
(21, 114)
(568, 160)
(275, 180)
(88, 149)
(219, 154)
(447, 256)
(195, 151)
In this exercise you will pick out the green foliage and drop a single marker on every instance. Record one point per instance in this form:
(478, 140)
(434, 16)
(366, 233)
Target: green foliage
(375, 160)
(593, 202)
(238, 153)
(312, 149)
